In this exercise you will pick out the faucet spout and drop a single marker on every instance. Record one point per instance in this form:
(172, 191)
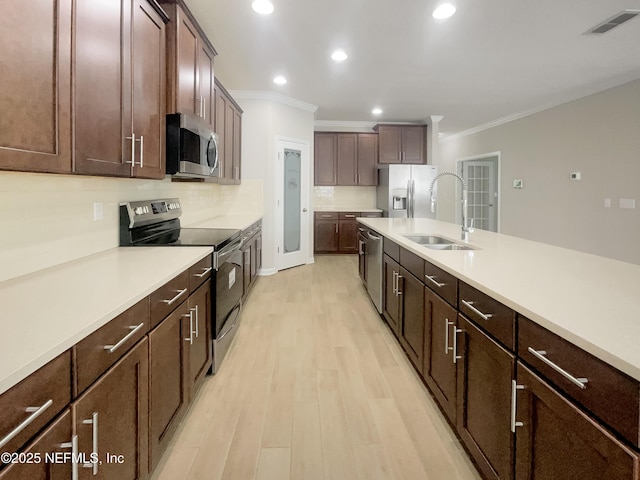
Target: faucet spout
(466, 228)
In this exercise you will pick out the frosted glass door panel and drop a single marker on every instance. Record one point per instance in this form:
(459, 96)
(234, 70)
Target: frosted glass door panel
(292, 200)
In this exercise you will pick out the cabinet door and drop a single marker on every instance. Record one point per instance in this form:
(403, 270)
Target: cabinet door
(258, 255)
(348, 236)
(53, 441)
(367, 159)
(148, 90)
(325, 159)
(187, 63)
(200, 347)
(362, 255)
(168, 349)
(102, 118)
(220, 112)
(485, 371)
(206, 96)
(228, 142)
(414, 145)
(439, 365)
(326, 236)
(111, 418)
(347, 159)
(390, 272)
(557, 440)
(237, 146)
(411, 291)
(389, 144)
(246, 270)
(35, 99)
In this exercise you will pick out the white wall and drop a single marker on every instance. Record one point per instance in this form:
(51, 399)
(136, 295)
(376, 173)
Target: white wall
(599, 136)
(267, 117)
(46, 220)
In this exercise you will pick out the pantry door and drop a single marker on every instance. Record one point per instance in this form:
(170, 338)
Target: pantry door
(292, 203)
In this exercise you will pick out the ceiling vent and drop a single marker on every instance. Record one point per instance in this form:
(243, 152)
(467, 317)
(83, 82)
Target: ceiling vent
(614, 21)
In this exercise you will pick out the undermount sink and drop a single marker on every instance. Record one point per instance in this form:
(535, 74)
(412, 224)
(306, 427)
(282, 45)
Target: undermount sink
(436, 243)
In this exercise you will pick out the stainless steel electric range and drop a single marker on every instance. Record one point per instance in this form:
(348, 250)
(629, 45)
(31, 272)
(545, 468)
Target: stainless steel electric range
(157, 223)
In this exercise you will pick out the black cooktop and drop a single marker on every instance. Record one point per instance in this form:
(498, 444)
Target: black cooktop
(195, 237)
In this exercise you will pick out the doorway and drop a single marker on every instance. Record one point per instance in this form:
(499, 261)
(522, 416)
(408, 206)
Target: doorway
(482, 176)
(292, 202)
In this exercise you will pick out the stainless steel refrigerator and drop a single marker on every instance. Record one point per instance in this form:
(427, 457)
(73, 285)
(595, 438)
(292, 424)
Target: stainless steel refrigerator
(403, 190)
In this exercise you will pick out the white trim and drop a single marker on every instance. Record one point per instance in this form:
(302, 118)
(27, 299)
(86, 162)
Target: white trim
(526, 113)
(344, 124)
(265, 272)
(274, 97)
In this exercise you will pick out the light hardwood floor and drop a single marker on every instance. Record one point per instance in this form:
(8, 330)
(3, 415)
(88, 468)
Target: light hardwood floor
(315, 387)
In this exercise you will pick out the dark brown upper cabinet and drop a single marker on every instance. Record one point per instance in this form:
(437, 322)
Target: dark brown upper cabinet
(119, 115)
(228, 126)
(35, 99)
(345, 159)
(402, 144)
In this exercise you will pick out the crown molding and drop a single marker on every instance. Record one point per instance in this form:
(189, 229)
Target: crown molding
(344, 124)
(274, 97)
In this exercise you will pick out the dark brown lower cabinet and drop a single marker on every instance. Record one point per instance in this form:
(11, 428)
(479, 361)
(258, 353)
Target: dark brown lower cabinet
(485, 371)
(326, 236)
(200, 347)
(348, 236)
(558, 441)
(169, 390)
(439, 369)
(111, 418)
(391, 302)
(411, 294)
(50, 442)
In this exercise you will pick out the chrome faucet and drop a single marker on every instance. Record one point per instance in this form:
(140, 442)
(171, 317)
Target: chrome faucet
(466, 229)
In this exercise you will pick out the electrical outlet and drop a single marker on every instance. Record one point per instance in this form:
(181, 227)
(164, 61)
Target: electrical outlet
(98, 211)
(607, 203)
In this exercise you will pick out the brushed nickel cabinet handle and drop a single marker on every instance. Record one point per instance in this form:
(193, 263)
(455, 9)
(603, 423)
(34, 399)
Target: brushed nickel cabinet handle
(398, 292)
(514, 388)
(432, 279)
(540, 355)
(180, 293)
(73, 445)
(484, 316)
(141, 140)
(190, 315)
(456, 357)
(349, 216)
(204, 272)
(197, 322)
(93, 421)
(35, 413)
(133, 150)
(133, 328)
(447, 324)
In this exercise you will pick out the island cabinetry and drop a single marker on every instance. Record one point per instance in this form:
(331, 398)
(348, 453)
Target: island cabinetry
(555, 439)
(484, 373)
(35, 99)
(442, 283)
(390, 294)
(605, 392)
(410, 291)
(55, 440)
(111, 417)
(402, 144)
(119, 97)
(345, 159)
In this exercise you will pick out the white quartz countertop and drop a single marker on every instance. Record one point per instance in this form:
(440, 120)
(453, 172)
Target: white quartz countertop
(592, 301)
(227, 221)
(45, 313)
(346, 209)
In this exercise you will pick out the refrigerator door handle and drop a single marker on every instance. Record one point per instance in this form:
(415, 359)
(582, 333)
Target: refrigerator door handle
(409, 198)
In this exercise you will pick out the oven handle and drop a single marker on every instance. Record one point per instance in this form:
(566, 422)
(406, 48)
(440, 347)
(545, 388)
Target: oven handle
(218, 257)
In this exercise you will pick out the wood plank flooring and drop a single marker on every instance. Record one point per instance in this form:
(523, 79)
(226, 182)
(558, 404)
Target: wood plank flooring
(315, 387)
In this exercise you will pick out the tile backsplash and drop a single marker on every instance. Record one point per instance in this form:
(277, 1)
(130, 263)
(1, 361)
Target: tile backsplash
(344, 197)
(46, 219)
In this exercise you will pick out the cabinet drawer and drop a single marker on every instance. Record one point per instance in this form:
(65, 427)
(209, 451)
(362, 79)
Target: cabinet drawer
(441, 282)
(608, 394)
(489, 314)
(391, 248)
(413, 263)
(370, 214)
(46, 392)
(348, 215)
(326, 215)
(167, 298)
(200, 272)
(95, 354)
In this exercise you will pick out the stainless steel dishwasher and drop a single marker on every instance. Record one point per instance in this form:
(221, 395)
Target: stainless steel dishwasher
(373, 253)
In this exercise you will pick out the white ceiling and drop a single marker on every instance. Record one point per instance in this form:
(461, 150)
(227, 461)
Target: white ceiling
(493, 59)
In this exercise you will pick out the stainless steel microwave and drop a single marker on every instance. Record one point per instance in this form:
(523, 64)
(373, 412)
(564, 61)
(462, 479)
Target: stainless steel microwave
(192, 148)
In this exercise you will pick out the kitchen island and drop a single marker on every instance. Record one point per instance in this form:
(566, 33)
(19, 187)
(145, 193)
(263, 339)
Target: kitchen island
(530, 350)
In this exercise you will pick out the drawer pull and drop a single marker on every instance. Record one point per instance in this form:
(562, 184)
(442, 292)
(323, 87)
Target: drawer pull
(93, 421)
(73, 445)
(456, 331)
(35, 413)
(432, 279)
(540, 355)
(349, 216)
(191, 331)
(484, 316)
(514, 406)
(133, 328)
(447, 324)
(180, 293)
(326, 216)
(204, 272)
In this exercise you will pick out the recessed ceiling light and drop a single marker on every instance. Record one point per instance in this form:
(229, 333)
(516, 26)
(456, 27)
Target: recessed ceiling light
(444, 11)
(264, 7)
(339, 55)
(376, 111)
(280, 80)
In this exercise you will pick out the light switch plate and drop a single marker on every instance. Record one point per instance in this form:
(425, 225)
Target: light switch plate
(627, 203)
(575, 175)
(98, 211)
(607, 203)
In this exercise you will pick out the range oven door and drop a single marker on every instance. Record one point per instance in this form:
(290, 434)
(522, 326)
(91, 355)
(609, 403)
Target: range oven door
(229, 288)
